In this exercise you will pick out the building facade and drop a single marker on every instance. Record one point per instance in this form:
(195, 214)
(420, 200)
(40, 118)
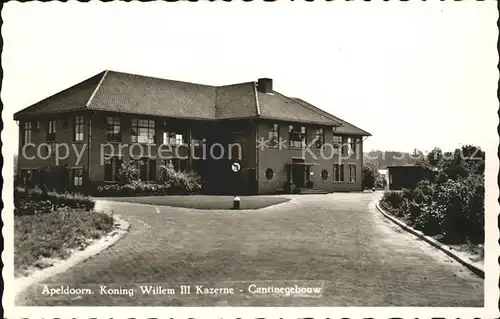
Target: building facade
(241, 139)
(407, 176)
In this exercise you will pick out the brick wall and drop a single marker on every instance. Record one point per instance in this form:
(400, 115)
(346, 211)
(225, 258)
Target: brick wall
(277, 159)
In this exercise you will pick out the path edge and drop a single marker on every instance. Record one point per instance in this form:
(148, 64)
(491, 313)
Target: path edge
(472, 266)
(77, 257)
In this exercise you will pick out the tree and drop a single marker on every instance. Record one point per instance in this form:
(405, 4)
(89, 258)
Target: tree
(370, 175)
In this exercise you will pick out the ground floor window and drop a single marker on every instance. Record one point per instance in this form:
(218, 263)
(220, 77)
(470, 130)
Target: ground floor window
(178, 164)
(147, 169)
(352, 173)
(27, 177)
(112, 166)
(77, 177)
(338, 172)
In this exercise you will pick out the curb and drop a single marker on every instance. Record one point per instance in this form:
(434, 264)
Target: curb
(474, 267)
(77, 257)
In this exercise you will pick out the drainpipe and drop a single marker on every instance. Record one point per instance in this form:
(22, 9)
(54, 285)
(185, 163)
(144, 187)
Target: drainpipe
(89, 170)
(190, 156)
(257, 175)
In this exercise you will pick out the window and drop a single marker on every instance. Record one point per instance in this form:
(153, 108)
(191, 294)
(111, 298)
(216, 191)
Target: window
(320, 137)
(78, 128)
(269, 173)
(147, 169)
(352, 173)
(336, 143)
(172, 138)
(143, 131)
(197, 141)
(27, 132)
(351, 142)
(178, 164)
(27, 177)
(338, 172)
(113, 129)
(51, 130)
(274, 135)
(297, 135)
(112, 166)
(78, 177)
(324, 174)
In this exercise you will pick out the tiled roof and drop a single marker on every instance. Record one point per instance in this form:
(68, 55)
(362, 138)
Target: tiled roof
(129, 93)
(346, 128)
(278, 106)
(70, 99)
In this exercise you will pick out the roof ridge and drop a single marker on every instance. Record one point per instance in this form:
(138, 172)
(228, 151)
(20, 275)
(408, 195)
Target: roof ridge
(158, 78)
(256, 95)
(312, 109)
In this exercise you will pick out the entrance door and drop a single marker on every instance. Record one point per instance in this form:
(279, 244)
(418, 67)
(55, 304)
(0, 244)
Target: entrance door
(298, 176)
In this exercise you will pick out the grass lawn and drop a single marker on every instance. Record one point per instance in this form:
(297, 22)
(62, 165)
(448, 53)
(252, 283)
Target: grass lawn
(40, 238)
(205, 201)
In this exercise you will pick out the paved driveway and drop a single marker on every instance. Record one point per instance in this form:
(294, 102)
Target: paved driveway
(338, 242)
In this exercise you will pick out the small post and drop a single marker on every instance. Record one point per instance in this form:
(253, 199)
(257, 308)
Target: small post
(236, 202)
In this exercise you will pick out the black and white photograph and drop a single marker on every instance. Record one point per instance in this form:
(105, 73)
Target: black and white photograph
(287, 157)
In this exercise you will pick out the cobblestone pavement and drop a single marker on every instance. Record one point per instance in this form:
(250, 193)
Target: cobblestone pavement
(338, 241)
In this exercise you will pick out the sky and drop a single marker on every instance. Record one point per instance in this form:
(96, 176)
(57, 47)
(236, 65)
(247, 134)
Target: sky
(413, 74)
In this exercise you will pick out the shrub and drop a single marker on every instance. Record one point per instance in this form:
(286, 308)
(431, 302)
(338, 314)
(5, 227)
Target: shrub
(180, 182)
(394, 198)
(136, 188)
(128, 173)
(452, 205)
(36, 201)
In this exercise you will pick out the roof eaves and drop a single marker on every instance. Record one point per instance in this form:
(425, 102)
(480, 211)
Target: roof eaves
(325, 123)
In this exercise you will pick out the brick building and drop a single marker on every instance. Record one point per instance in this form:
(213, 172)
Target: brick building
(115, 117)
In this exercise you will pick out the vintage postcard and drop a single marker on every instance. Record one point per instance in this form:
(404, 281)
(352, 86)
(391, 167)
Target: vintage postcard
(332, 159)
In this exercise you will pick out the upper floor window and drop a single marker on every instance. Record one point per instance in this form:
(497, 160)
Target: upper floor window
(143, 131)
(320, 137)
(173, 138)
(351, 145)
(297, 136)
(336, 143)
(78, 135)
(51, 130)
(28, 126)
(197, 140)
(113, 129)
(274, 135)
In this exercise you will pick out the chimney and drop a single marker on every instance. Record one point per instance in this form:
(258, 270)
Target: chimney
(265, 85)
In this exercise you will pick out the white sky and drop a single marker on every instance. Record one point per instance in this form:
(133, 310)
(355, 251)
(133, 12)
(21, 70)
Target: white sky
(414, 74)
